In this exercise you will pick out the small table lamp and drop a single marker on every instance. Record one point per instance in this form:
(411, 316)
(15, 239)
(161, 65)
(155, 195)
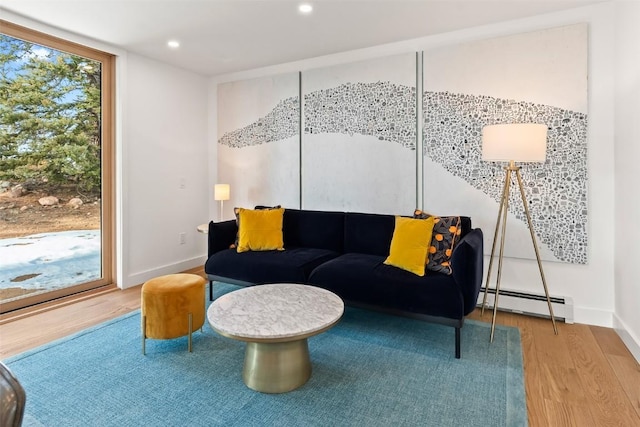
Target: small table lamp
(221, 192)
(518, 142)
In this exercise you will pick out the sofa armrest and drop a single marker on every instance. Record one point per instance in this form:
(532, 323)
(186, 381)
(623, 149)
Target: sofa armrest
(221, 235)
(467, 265)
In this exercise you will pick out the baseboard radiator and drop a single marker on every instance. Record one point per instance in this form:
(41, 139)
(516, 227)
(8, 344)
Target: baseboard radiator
(530, 304)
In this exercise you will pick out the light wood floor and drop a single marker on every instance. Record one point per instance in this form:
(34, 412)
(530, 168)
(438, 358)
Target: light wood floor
(584, 376)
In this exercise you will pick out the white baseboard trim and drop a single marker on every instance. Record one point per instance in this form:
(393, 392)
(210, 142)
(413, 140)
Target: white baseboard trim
(591, 316)
(135, 279)
(535, 305)
(632, 342)
(530, 304)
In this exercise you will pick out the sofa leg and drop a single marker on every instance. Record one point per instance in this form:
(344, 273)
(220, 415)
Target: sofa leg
(457, 343)
(210, 290)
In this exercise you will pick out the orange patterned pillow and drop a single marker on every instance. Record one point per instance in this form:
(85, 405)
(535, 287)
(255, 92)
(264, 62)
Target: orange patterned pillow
(446, 233)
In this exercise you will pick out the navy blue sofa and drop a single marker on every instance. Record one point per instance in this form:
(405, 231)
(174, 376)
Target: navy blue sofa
(344, 253)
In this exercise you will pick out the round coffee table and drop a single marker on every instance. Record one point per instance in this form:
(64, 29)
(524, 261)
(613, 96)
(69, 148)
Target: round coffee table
(275, 321)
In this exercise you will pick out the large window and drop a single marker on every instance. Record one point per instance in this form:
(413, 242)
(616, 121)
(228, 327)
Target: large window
(56, 171)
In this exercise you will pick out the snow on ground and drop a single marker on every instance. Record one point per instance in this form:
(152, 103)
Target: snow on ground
(56, 260)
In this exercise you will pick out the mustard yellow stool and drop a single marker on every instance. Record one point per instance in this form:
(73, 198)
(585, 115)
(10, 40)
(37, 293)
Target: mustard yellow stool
(172, 307)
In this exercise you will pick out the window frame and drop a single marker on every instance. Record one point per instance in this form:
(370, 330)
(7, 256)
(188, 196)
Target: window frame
(107, 154)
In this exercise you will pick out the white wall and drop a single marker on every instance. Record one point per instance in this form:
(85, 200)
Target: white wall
(212, 143)
(591, 286)
(161, 140)
(164, 169)
(627, 195)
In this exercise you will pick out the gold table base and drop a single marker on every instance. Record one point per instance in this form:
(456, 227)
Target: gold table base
(276, 367)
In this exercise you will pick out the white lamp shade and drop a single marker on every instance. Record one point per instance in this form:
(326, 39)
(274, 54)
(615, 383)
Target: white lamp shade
(221, 192)
(518, 142)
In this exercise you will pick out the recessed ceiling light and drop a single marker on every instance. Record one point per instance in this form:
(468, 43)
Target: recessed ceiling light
(173, 44)
(305, 8)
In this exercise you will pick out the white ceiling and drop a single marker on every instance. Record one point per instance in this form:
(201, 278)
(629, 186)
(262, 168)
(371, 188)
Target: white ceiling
(222, 36)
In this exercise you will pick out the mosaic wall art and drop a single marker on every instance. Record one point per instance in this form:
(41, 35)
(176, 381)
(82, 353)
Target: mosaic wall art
(280, 123)
(359, 140)
(259, 141)
(383, 110)
(538, 77)
(359, 143)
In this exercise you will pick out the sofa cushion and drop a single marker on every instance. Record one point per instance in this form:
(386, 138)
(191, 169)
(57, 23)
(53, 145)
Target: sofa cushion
(368, 233)
(410, 244)
(314, 229)
(292, 265)
(365, 279)
(260, 230)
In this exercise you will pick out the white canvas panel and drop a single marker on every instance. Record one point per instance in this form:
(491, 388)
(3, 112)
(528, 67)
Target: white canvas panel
(358, 146)
(543, 67)
(337, 180)
(537, 77)
(264, 174)
(259, 141)
(399, 69)
(242, 102)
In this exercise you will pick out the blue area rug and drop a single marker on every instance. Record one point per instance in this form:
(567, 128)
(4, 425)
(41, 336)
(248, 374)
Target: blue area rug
(369, 370)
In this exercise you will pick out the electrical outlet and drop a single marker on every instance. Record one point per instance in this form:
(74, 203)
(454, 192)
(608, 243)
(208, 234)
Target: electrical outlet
(182, 184)
(183, 238)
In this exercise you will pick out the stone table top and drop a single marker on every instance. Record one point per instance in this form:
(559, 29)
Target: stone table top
(275, 313)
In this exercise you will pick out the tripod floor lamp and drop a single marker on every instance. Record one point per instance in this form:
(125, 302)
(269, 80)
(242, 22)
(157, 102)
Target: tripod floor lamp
(519, 142)
(221, 192)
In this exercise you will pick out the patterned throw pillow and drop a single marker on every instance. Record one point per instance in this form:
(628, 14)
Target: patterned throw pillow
(236, 212)
(446, 232)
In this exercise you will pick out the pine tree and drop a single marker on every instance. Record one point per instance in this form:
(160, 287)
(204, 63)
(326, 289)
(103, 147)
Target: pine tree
(49, 115)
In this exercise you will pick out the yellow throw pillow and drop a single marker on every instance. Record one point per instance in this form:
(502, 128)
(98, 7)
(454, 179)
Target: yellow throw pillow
(410, 243)
(260, 230)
